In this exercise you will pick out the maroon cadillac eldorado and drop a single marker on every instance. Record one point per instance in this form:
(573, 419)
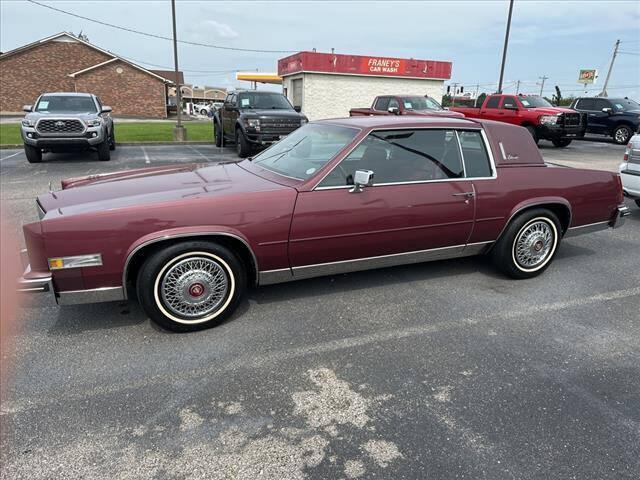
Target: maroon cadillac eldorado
(334, 196)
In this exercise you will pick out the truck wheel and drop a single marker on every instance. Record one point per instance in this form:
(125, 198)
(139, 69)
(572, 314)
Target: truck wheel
(217, 134)
(103, 151)
(534, 134)
(561, 142)
(529, 243)
(622, 134)
(191, 286)
(242, 145)
(34, 155)
(638, 202)
(112, 140)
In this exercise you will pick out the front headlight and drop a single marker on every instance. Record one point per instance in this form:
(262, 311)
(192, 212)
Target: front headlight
(27, 123)
(304, 120)
(548, 119)
(253, 122)
(96, 122)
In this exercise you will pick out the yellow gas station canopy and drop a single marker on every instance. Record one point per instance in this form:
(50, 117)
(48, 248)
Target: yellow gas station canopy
(260, 77)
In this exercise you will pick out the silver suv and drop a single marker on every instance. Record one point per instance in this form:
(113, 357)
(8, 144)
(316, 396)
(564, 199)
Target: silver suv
(67, 121)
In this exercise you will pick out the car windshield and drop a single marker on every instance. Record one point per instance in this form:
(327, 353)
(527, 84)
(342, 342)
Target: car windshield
(263, 101)
(534, 102)
(65, 104)
(420, 103)
(301, 154)
(624, 104)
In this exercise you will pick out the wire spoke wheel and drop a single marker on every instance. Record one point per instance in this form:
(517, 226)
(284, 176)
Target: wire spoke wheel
(534, 244)
(194, 287)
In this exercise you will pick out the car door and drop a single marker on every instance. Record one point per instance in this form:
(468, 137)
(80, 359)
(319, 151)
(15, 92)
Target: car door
(229, 115)
(491, 109)
(419, 207)
(509, 110)
(601, 120)
(594, 118)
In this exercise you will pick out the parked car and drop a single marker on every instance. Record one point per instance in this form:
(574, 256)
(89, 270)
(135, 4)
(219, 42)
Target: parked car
(537, 115)
(615, 117)
(202, 108)
(630, 169)
(60, 122)
(404, 105)
(335, 196)
(253, 120)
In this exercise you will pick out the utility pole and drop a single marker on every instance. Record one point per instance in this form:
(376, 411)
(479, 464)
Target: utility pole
(453, 95)
(604, 93)
(543, 78)
(179, 132)
(517, 87)
(506, 43)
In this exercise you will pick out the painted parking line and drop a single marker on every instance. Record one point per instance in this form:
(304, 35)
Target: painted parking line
(146, 155)
(9, 156)
(199, 153)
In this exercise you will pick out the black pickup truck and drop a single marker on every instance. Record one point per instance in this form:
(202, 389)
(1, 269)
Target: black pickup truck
(254, 120)
(614, 117)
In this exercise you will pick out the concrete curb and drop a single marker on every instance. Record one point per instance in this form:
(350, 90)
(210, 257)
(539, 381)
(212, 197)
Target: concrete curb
(126, 144)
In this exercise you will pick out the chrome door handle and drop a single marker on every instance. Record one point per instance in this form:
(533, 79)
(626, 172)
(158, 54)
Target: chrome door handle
(465, 194)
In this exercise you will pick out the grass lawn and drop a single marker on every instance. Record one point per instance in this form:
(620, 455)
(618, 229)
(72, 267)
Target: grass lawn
(129, 132)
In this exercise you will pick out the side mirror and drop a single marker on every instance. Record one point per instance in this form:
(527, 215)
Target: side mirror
(394, 110)
(230, 108)
(363, 178)
(608, 110)
(297, 109)
(27, 108)
(106, 109)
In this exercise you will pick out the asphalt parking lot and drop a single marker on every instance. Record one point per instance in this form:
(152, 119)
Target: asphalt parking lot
(436, 371)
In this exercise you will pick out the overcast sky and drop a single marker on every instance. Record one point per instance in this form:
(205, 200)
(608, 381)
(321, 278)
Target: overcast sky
(552, 38)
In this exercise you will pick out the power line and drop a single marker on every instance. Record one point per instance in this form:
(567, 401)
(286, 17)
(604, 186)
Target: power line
(182, 69)
(161, 37)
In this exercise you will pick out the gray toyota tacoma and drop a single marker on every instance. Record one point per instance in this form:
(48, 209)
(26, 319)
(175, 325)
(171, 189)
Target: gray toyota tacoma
(67, 121)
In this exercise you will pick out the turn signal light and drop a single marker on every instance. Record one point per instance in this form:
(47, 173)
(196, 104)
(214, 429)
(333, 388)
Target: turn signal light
(56, 263)
(92, 260)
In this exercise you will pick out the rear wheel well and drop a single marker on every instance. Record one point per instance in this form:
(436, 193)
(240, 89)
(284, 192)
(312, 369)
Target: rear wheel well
(233, 244)
(560, 210)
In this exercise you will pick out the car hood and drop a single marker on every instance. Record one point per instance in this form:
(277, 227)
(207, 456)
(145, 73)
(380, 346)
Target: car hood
(145, 186)
(272, 113)
(38, 115)
(551, 110)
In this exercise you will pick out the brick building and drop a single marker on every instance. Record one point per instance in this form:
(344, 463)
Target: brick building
(64, 63)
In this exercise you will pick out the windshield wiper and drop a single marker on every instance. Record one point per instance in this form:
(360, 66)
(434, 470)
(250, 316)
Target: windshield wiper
(280, 153)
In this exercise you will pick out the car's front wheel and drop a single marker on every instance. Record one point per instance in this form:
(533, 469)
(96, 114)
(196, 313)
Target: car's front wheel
(532, 131)
(191, 285)
(217, 134)
(34, 155)
(104, 154)
(112, 140)
(203, 112)
(561, 142)
(528, 244)
(242, 145)
(638, 202)
(622, 134)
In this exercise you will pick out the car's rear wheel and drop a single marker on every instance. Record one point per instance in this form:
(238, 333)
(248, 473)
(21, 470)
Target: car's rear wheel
(622, 134)
(112, 140)
(532, 131)
(34, 155)
(528, 244)
(217, 134)
(191, 285)
(638, 202)
(104, 155)
(242, 145)
(203, 112)
(561, 142)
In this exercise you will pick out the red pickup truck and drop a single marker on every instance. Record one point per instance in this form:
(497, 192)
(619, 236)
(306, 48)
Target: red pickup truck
(543, 120)
(404, 105)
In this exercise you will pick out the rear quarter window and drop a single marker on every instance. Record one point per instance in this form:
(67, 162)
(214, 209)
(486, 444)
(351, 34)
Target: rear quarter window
(474, 153)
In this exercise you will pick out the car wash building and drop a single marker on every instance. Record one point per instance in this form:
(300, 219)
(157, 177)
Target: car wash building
(328, 85)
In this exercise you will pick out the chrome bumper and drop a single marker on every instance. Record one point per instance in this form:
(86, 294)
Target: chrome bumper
(30, 283)
(621, 214)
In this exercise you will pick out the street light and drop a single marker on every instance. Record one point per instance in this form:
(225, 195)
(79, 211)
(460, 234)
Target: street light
(506, 43)
(179, 132)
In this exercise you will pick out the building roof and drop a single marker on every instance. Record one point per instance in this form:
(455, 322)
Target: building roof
(170, 75)
(72, 38)
(338, 64)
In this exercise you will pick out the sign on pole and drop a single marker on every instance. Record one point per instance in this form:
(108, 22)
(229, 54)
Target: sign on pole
(587, 76)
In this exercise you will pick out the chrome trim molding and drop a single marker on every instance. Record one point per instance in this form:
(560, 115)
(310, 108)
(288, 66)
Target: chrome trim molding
(270, 277)
(382, 261)
(185, 235)
(96, 295)
(531, 206)
(582, 229)
(622, 212)
(33, 285)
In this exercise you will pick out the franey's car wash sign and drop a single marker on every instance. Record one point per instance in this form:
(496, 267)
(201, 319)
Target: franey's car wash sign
(333, 63)
(392, 66)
